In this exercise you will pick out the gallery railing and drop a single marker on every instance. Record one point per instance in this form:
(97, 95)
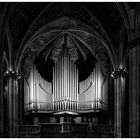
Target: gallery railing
(55, 128)
(102, 129)
(28, 129)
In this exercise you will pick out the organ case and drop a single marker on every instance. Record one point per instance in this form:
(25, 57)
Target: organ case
(65, 92)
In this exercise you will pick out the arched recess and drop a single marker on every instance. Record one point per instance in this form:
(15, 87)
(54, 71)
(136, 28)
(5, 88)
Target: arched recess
(82, 34)
(54, 29)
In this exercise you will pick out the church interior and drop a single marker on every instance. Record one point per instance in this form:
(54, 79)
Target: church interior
(69, 69)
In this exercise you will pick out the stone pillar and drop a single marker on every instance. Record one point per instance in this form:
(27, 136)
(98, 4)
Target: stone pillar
(12, 78)
(20, 101)
(119, 87)
(134, 76)
(134, 90)
(1, 96)
(2, 21)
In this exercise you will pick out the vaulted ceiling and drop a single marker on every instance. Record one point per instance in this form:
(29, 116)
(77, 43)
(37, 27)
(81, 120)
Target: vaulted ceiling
(26, 21)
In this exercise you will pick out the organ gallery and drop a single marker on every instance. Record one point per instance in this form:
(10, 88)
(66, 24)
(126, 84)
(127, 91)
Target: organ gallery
(69, 70)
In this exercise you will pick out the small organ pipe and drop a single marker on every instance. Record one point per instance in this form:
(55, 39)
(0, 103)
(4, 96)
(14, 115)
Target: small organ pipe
(36, 85)
(60, 82)
(33, 87)
(53, 87)
(55, 82)
(61, 78)
(63, 75)
(77, 89)
(96, 85)
(67, 78)
(72, 81)
(69, 81)
(70, 84)
(74, 85)
(66, 74)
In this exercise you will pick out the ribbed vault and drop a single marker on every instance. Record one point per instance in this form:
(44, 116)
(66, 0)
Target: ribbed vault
(82, 37)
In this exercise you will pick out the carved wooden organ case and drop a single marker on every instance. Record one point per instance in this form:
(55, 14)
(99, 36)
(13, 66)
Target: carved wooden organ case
(65, 92)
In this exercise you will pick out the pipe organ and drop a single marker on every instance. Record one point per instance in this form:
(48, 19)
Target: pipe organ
(65, 92)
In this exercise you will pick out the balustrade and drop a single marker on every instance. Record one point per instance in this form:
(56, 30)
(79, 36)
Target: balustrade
(28, 129)
(49, 129)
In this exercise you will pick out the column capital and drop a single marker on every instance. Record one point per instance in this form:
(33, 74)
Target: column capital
(12, 74)
(119, 73)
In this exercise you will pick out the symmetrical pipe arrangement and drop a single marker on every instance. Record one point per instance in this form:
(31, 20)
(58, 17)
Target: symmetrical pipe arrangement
(65, 92)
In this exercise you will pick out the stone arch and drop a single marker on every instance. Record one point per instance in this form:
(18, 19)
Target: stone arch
(52, 30)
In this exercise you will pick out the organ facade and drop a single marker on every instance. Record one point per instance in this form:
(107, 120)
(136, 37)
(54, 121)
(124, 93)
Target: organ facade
(66, 93)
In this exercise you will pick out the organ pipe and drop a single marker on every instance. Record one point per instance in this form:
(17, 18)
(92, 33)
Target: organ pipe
(53, 88)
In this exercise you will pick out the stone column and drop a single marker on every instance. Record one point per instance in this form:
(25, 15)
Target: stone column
(1, 96)
(134, 90)
(2, 21)
(134, 76)
(119, 87)
(20, 101)
(12, 77)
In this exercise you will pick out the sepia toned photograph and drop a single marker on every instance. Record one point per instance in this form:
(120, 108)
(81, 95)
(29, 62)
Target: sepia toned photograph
(69, 69)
